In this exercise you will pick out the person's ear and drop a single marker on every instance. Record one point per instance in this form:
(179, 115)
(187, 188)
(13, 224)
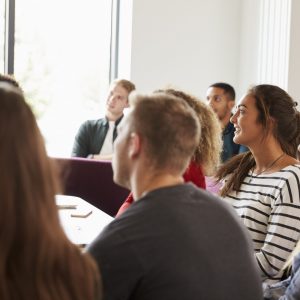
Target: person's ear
(135, 145)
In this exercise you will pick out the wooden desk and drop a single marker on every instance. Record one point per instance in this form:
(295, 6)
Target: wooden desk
(81, 230)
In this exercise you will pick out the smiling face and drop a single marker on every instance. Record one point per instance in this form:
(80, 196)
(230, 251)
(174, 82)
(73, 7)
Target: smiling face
(248, 130)
(116, 102)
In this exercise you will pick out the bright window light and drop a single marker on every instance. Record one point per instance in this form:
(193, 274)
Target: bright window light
(62, 55)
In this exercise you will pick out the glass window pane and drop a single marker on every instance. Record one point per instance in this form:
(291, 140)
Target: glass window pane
(2, 34)
(62, 54)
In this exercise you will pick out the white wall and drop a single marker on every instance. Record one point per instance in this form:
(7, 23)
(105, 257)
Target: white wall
(249, 46)
(191, 44)
(188, 44)
(294, 60)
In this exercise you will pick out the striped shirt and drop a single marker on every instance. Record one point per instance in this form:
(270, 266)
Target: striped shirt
(269, 205)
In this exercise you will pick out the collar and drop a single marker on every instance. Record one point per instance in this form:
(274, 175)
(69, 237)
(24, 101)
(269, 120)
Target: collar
(106, 121)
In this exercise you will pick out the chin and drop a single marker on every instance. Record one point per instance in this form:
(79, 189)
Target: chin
(121, 181)
(237, 140)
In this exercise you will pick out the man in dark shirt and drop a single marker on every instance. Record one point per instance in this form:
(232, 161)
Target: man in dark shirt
(95, 137)
(221, 97)
(175, 241)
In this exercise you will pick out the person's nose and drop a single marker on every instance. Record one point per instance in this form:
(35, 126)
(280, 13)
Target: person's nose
(233, 118)
(112, 99)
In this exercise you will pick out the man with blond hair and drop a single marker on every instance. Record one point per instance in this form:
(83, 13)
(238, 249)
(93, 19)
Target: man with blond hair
(95, 137)
(175, 241)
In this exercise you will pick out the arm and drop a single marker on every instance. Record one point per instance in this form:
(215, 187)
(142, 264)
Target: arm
(282, 230)
(194, 174)
(102, 157)
(293, 289)
(129, 200)
(81, 142)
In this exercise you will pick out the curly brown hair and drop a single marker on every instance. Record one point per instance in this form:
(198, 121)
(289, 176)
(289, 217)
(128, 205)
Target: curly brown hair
(207, 154)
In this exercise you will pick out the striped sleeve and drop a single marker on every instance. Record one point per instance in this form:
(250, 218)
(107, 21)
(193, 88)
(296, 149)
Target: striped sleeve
(283, 229)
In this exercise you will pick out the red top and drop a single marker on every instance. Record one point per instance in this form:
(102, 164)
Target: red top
(193, 174)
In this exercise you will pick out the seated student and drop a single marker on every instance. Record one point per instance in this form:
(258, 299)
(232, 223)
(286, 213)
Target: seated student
(167, 245)
(37, 261)
(263, 184)
(288, 289)
(206, 157)
(221, 98)
(95, 137)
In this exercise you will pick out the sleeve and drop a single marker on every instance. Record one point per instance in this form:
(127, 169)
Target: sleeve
(119, 265)
(129, 200)
(282, 230)
(81, 142)
(292, 291)
(195, 175)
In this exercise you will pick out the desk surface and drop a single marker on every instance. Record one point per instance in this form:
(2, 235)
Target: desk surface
(81, 221)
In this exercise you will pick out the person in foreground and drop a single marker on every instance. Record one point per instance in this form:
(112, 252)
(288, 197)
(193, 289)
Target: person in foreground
(37, 261)
(206, 157)
(95, 138)
(263, 185)
(167, 245)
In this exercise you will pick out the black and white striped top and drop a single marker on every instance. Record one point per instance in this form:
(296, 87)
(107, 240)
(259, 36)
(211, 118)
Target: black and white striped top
(269, 206)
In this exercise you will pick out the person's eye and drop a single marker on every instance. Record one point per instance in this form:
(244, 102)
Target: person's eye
(218, 99)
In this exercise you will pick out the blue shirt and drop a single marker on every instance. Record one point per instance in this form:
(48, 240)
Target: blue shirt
(230, 148)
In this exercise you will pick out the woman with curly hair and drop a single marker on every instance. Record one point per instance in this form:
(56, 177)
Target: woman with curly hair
(206, 157)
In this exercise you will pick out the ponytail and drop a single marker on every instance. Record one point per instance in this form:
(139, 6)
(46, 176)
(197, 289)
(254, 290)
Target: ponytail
(235, 171)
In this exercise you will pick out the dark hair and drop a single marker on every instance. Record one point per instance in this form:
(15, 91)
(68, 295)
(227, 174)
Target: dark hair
(228, 89)
(273, 103)
(37, 260)
(9, 79)
(169, 127)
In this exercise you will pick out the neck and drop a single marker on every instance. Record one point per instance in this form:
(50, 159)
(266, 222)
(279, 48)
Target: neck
(265, 154)
(145, 182)
(111, 117)
(225, 121)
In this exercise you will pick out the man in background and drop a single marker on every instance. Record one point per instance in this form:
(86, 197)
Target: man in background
(175, 241)
(95, 137)
(221, 97)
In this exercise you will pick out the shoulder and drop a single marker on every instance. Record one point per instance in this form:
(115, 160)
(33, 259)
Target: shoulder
(291, 172)
(93, 124)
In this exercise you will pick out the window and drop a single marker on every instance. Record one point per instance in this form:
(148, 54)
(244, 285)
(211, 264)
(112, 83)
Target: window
(62, 61)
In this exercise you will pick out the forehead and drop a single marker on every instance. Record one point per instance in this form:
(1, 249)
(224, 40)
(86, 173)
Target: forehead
(215, 91)
(247, 101)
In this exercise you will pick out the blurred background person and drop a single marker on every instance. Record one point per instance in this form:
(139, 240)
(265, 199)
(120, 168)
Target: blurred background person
(95, 137)
(221, 98)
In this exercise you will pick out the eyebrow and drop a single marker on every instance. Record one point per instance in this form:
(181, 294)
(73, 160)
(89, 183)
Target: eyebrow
(241, 105)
